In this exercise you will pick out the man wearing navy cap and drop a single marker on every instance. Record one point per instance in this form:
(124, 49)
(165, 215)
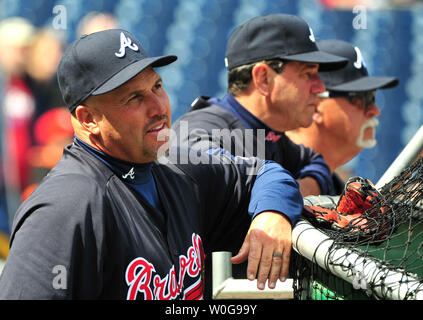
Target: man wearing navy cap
(346, 117)
(273, 83)
(111, 221)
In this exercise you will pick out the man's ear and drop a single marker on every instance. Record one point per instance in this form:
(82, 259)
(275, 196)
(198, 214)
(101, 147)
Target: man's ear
(318, 114)
(261, 78)
(86, 118)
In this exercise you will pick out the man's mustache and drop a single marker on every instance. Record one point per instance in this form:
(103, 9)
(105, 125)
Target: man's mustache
(157, 119)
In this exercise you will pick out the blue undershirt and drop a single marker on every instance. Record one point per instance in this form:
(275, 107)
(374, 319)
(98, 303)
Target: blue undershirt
(137, 176)
(249, 120)
(268, 194)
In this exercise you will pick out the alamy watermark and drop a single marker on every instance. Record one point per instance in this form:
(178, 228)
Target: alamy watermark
(359, 279)
(360, 18)
(59, 281)
(197, 146)
(60, 20)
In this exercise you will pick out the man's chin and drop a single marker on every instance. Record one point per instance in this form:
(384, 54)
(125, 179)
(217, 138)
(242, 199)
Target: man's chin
(366, 139)
(162, 149)
(307, 123)
(366, 144)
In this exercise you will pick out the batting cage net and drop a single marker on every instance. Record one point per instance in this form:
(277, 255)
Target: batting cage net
(364, 244)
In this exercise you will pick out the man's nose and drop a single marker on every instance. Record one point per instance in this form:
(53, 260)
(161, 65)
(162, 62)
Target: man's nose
(156, 106)
(318, 86)
(372, 110)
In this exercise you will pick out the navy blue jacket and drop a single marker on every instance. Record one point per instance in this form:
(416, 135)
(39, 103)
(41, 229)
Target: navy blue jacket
(85, 234)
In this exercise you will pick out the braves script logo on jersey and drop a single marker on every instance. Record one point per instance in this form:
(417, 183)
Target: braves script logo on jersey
(141, 277)
(271, 136)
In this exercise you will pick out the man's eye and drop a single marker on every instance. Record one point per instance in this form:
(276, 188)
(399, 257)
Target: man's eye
(135, 97)
(311, 75)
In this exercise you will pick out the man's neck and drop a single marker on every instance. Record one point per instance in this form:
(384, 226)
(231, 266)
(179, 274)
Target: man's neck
(335, 153)
(258, 107)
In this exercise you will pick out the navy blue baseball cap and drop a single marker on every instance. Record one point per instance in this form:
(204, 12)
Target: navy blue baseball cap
(277, 36)
(354, 77)
(101, 62)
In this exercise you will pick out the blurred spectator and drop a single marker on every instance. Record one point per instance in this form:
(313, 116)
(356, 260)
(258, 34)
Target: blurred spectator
(52, 132)
(32, 65)
(96, 21)
(345, 4)
(18, 101)
(43, 57)
(4, 246)
(17, 107)
(405, 2)
(373, 4)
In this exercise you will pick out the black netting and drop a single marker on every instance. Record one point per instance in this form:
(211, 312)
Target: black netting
(382, 248)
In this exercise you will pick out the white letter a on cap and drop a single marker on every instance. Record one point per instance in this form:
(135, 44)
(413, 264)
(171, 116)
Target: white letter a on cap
(125, 43)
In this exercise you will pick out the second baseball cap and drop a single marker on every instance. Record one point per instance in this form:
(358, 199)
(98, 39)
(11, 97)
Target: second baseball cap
(273, 36)
(100, 62)
(354, 77)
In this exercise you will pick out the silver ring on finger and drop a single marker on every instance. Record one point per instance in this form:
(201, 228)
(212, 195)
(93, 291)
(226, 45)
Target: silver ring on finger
(277, 254)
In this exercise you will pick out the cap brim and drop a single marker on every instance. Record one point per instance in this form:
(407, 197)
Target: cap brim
(326, 61)
(131, 71)
(366, 84)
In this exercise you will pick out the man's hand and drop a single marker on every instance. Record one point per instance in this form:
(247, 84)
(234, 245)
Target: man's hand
(309, 187)
(268, 248)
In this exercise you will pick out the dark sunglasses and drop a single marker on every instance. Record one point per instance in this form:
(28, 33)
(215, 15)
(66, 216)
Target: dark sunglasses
(368, 97)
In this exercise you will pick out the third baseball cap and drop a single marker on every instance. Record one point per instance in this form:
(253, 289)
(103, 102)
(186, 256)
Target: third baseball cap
(354, 77)
(100, 62)
(273, 36)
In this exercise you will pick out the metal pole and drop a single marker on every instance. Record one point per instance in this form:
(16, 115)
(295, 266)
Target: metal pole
(225, 287)
(316, 246)
(407, 155)
(222, 268)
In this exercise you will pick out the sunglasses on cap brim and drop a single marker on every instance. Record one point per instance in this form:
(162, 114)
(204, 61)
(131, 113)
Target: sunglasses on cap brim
(368, 97)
